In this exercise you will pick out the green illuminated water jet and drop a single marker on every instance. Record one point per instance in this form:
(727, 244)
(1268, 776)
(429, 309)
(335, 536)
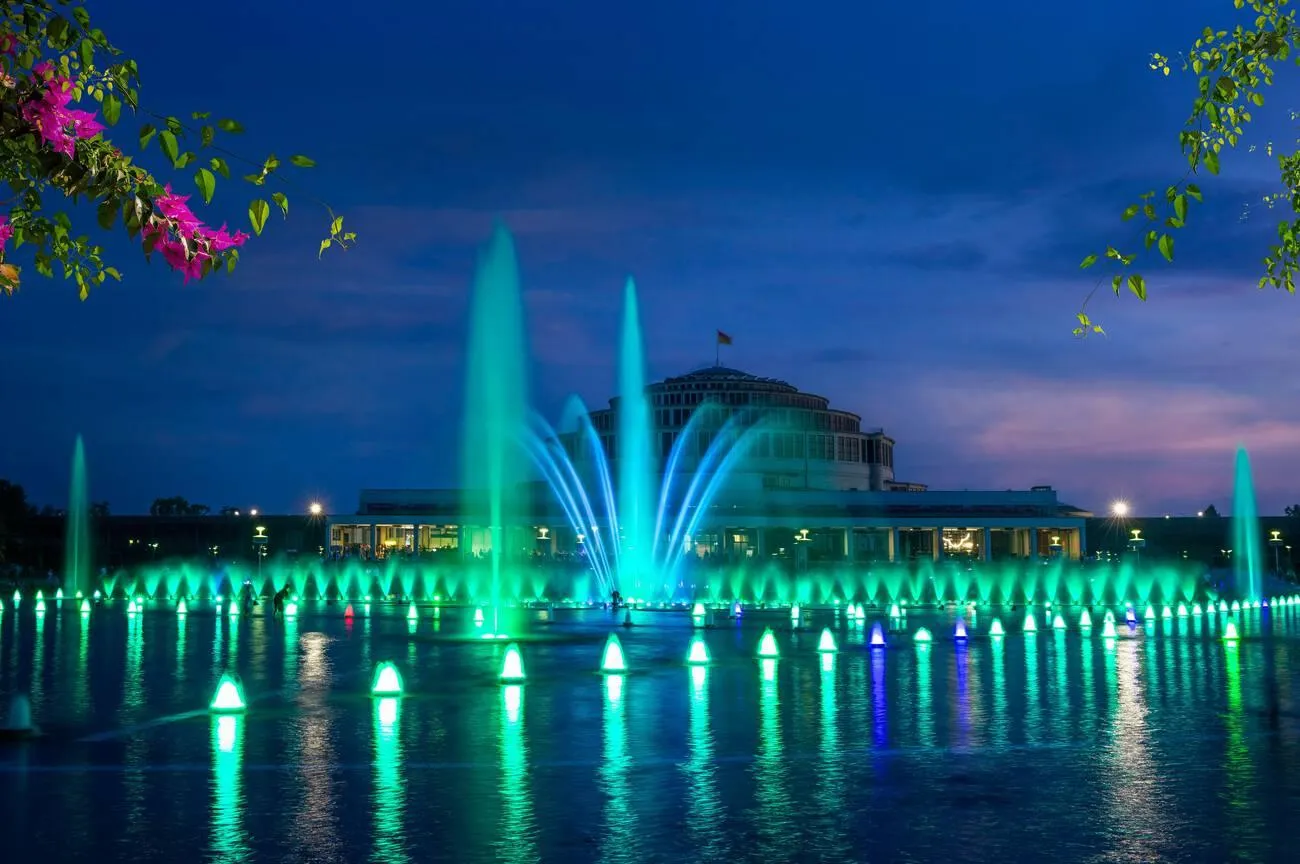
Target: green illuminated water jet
(767, 647)
(387, 680)
(76, 553)
(512, 665)
(229, 695)
(634, 460)
(612, 660)
(1246, 559)
(493, 466)
(698, 655)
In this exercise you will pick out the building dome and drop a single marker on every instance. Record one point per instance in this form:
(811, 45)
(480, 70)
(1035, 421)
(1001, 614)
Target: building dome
(791, 439)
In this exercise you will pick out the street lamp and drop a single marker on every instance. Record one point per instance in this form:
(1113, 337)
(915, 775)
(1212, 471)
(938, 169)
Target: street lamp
(260, 539)
(1276, 542)
(1119, 509)
(315, 508)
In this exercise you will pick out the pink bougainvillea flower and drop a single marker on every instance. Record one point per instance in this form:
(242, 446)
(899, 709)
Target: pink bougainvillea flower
(58, 125)
(6, 232)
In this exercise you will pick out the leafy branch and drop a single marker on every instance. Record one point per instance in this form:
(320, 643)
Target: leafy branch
(1232, 69)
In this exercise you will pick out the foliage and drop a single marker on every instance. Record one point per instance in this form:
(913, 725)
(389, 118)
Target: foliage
(14, 512)
(52, 57)
(1232, 69)
(1210, 511)
(176, 506)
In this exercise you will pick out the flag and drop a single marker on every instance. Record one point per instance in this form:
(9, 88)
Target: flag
(723, 338)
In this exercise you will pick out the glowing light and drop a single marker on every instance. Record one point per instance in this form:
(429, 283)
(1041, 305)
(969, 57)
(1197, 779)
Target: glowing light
(512, 665)
(767, 645)
(922, 635)
(877, 636)
(697, 611)
(58, 595)
(1058, 623)
(1108, 629)
(40, 595)
(232, 608)
(411, 614)
(229, 695)
(130, 608)
(952, 543)
(794, 612)
(85, 606)
(698, 654)
(290, 609)
(1085, 620)
(315, 508)
(612, 661)
(860, 614)
(387, 680)
(1230, 632)
(959, 630)
(478, 617)
(1167, 613)
(826, 644)
(1149, 614)
(737, 611)
(40, 607)
(1196, 609)
(1031, 625)
(1120, 509)
(895, 611)
(996, 630)
(1236, 606)
(181, 609)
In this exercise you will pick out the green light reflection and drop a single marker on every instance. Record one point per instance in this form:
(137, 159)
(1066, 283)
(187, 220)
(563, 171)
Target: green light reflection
(622, 841)
(704, 816)
(133, 687)
(998, 722)
(831, 789)
(229, 841)
(1060, 702)
(924, 697)
(771, 798)
(518, 831)
(1243, 814)
(388, 800)
(289, 676)
(1033, 693)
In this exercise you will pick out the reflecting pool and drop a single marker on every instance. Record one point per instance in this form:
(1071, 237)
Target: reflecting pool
(1163, 743)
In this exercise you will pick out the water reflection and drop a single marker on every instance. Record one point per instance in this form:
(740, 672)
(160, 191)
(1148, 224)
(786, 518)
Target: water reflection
(879, 703)
(1033, 692)
(388, 801)
(289, 675)
(1244, 821)
(133, 687)
(1133, 789)
(518, 831)
(924, 697)
(621, 842)
(771, 797)
(229, 842)
(830, 791)
(961, 670)
(704, 808)
(998, 722)
(316, 823)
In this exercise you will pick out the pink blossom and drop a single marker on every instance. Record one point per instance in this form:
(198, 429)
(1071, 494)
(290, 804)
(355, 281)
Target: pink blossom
(6, 232)
(58, 125)
(174, 208)
(185, 243)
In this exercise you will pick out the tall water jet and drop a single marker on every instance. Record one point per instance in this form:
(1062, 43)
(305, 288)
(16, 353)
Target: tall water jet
(634, 459)
(76, 552)
(493, 465)
(1246, 560)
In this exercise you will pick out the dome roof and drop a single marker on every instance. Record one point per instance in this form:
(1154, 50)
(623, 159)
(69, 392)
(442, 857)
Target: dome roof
(726, 373)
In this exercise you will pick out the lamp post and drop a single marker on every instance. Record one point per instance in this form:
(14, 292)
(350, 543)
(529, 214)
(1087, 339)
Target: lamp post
(1136, 543)
(1276, 542)
(260, 539)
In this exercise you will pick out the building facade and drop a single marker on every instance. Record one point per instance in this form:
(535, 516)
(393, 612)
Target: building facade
(810, 485)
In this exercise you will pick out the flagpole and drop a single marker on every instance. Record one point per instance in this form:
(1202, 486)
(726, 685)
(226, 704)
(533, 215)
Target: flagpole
(717, 351)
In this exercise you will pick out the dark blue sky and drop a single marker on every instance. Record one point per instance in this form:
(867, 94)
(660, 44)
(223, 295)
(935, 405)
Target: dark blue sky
(883, 205)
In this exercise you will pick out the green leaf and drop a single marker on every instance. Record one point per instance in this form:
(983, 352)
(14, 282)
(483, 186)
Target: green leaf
(207, 184)
(1130, 212)
(87, 52)
(324, 244)
(113, 274)
(1088, 262)
(219, 165)
(107, 214)
(112, 109)
(282, 201)
(228, 125)
(1194, 192)
(257, 213)
(1166, 244)
(336, 226)
(167, 140)
(1257, 98)
(1138, 286)
(1211, 161)
(206, 134)
(302, 161)
(146, 135)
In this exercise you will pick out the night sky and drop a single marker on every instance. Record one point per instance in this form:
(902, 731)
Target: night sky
(882, 203)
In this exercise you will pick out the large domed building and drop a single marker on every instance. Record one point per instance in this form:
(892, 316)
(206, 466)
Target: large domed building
(809, 483)
(798, 441)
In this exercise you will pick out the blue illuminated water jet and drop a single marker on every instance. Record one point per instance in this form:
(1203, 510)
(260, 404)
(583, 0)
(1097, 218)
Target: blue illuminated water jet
(77, 552)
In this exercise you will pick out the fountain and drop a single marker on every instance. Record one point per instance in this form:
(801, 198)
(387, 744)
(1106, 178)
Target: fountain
(634, 459)
(612, 660)
(698, 654)
(496, 398)
(1246, 558)
(387, 681)
(76, 554)
(826, 644)
(512, 665)
(229, 695)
